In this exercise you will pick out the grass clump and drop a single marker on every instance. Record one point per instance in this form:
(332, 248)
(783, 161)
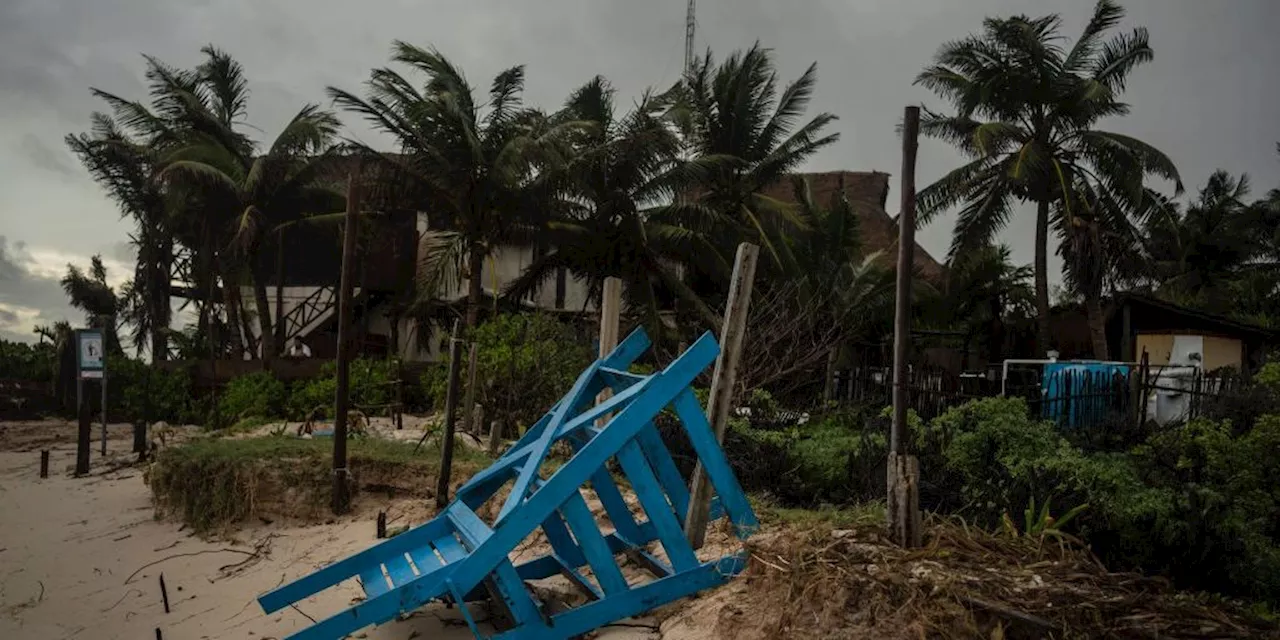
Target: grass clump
(212, 483)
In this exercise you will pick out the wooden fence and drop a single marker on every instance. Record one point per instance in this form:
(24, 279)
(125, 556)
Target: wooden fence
(1075, 398)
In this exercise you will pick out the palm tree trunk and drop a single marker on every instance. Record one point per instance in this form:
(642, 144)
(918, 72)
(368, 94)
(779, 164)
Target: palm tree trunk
(1043, 341)
(475, 267)
(231, 302)
(1097, 327)
(263, 305)
(279, 336)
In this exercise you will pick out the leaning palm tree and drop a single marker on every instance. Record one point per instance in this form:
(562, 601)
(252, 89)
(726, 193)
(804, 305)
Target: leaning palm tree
(1026, 112)
(263, 192)
(749, 135)
(470, 165)
(90, 293)
(184, 105)
(616, 213)
(124, 167)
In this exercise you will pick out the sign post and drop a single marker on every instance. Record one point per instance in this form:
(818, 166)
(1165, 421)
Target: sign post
(91, 365)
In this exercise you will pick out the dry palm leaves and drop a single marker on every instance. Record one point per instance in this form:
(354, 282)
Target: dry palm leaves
(964, 583)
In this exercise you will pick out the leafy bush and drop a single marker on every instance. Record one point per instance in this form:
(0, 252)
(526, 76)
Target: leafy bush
(525, 363)
(255, 395)
(140, 391)
(22, 361)
(371, 385)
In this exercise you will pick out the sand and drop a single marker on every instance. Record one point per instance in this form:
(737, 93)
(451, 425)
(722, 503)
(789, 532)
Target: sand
(74, 556)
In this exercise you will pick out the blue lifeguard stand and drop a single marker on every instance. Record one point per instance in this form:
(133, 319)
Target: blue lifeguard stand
(459, 557)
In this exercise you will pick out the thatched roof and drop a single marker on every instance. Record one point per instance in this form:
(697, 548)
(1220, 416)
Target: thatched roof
(868, 192)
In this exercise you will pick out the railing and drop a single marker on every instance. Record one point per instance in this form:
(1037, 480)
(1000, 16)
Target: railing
(1092, 395)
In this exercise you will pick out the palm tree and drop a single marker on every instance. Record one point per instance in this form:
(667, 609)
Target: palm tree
(472, 166)
(746, 135)
(984, 288)
(90, 293)
(1196, 253)
(184, 105)
(124, 166)
(1101, 245)
(264, 192)
(614, 200)
(1026, 108)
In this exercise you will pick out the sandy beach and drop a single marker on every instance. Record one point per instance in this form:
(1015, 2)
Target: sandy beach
(83, 558)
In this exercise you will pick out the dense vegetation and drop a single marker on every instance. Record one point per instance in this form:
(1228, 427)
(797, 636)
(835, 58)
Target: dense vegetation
(659, 195)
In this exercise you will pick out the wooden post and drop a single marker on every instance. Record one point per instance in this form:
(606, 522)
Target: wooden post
(904, 470)
(341, 499)
(44, 463)
(399, 394)
(450, 414)
(610, 314)
(164, 593)
(278, 338)
(84, 435)
(381, 525)
(722, 383)
(469, 422)
(495, 437)
(829, 389)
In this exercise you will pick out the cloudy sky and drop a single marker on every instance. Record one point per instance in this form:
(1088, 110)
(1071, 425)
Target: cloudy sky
(1209, 99)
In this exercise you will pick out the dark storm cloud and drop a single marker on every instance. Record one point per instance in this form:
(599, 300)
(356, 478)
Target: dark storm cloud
(27, 299)
(44, 157)
(1208, 99)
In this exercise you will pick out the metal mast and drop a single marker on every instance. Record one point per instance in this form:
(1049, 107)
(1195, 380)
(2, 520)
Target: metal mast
(689, 28)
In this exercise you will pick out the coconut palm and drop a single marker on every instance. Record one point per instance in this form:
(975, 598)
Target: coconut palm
(472, 166)
(748, 134)
(983, 290)
(1026, 112)
(1195, 253)
(616, 213)
(124, 167)
(90, 293)
(261, 192)
(183, 105)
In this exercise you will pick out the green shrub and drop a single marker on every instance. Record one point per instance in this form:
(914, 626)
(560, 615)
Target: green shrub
(140, 391)
(525, 363)
(22, 361)
(370, 385)
(255, 395)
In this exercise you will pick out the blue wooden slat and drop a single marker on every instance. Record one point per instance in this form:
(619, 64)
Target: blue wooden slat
(314, 583)
(668, 473)
(481, 486)
(715, 464)
(425, 559)
(449, 548)
(633, 602)
(538, 449)
(547, 566)
(599, 556)
(474, 532)
(561, 542)
(374, 583)
(659, 391)
(645, 484)
(399, 570)
(582, 393)
(570, 573)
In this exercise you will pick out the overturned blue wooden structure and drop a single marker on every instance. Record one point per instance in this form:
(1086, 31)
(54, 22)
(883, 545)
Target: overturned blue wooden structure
(458, 557)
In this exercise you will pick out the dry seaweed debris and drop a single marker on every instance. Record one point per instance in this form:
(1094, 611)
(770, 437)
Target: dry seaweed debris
(821, 582)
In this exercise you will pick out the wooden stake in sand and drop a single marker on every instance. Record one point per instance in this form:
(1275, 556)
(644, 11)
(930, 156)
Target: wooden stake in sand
(722, 383)
(44, 464)
(450, 414)
(903, 471)
(341, 501)
(610, 314)
(164, 593)
(83, 437)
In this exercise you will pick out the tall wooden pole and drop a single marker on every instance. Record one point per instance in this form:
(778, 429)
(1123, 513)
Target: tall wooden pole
(278, 339)
(341, 499)
(722, 383)
(450, 415)
(903, 471)
(610, 315)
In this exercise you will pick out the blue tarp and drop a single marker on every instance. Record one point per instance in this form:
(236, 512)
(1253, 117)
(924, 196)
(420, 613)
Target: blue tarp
(1079, 394)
